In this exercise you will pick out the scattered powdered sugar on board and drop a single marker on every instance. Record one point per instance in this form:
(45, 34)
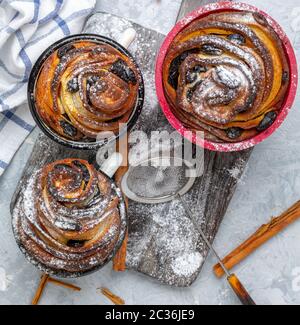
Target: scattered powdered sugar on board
(159, 233)
(234, 172)
(160, 236)
(187, 264)
(237, 169)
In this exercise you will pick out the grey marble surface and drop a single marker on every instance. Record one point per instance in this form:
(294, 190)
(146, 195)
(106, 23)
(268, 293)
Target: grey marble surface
(270, 184)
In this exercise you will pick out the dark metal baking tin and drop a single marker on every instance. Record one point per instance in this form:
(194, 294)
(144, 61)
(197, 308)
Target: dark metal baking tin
(66, 274)
(34, 76)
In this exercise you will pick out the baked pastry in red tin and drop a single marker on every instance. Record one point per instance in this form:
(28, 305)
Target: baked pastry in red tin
(226, 74)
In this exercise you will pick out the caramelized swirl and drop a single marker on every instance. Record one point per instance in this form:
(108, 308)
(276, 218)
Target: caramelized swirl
(226, 74)
(70, 221)
(85, 88)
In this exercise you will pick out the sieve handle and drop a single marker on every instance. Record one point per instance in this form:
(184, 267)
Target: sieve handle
(112, 164)
(240, 291)
(127, 37)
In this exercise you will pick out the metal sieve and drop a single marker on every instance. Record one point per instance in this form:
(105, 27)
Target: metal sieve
(159, 179)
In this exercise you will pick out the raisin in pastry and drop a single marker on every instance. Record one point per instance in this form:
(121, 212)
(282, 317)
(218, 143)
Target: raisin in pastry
(226, 74)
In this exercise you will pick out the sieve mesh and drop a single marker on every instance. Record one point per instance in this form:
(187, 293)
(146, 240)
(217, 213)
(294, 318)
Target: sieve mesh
(158, 180)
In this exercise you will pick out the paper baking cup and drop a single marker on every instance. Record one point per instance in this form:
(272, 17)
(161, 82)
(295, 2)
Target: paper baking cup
(177, 124)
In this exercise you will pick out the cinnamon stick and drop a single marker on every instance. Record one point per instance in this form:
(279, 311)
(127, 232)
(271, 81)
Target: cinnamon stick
(40, 289)
(112, 297)
(119, 261)
(64, 284)
(262, 235)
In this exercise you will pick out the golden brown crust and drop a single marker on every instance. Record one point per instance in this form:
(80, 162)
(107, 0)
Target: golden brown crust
(84, 88)
(73, 223)
(226, 74)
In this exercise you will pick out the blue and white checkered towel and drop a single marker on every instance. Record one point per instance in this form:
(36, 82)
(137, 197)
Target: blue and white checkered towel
(27, 28)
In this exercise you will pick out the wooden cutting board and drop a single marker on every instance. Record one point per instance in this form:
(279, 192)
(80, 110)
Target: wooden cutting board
(162, 242)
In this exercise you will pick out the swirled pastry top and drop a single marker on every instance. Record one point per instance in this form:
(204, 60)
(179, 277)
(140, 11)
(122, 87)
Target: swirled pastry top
(226, 74)
(68, 221)
(85, 88)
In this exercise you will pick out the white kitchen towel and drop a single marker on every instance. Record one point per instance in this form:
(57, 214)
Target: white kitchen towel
(27, 28)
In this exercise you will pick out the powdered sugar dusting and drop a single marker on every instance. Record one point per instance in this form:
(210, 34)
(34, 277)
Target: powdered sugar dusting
(158, 234)
(49, 254)
(234, 172)
(187, 264)
(167, 234)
